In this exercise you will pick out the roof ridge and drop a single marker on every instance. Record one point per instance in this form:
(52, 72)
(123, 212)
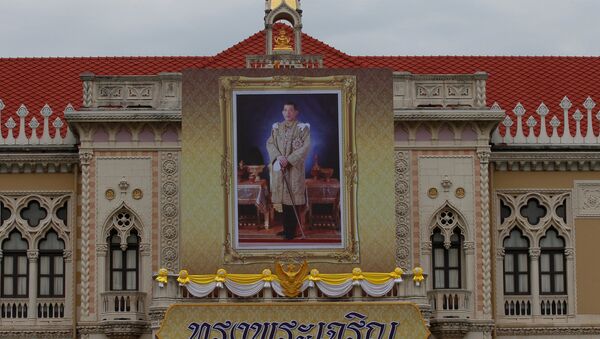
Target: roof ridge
(107, 57)
(481, 56)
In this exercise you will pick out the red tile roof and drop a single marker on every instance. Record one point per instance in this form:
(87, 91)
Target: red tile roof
(55, 81)
(529, 80)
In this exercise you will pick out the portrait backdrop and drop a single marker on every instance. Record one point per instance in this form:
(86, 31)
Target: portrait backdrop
(202, 193)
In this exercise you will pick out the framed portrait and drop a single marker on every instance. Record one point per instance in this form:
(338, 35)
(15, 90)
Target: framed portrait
(289, 168)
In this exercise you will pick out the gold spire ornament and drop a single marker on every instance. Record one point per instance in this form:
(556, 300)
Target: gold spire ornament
(282, 42)
(290, 278)
(290, 3)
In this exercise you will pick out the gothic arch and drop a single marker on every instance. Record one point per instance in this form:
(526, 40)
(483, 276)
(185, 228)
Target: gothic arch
(33, 233)
(447, 218)
(123, 220)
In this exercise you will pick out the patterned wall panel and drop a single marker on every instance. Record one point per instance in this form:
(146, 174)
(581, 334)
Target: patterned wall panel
(202, 211)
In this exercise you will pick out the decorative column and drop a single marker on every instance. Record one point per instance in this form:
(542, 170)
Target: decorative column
(101, 255)
(169, 211)
(145, 270)
(402, 195)
(32, 257)
(486, 262)
(85, 157)
(534, 259)
(570, 255)
(499, 282)
(68, 258)
(471, 272)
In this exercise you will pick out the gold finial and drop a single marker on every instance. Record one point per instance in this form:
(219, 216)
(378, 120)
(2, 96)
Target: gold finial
(282, 42)
(290, 3)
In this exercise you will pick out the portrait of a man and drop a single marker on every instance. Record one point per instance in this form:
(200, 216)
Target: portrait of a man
(287, 156)
(288, 147)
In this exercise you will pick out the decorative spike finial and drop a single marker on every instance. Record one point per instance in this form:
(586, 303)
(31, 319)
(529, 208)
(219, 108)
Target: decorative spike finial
(542, 110)
(554, 122)
(46, 111)
(22, 111)
(10, 123)
(507, 121)
(57, 123)
(1, 105)
(69, 109)
(565, 103)
(519, 110)
(33, 123)
(577, 116)
(495, 107)
(531, 122)
(589, 104)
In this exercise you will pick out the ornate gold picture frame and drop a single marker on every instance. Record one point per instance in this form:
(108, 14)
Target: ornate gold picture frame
(327, 220)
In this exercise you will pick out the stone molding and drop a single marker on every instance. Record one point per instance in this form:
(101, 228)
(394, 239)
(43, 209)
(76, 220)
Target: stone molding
(86, 158)
(546, 161)
(169, 210)
(586, 198)
(445, 115)
(158, 92)
(120, 116)
(403, 203)
(38, 162)
(440, 90)
(486, 261)
(547, 330)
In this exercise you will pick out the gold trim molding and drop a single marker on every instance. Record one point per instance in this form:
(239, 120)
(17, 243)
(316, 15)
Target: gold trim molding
(346, 85)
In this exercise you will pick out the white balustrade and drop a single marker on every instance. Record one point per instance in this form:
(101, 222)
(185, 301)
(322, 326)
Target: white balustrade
(19, 137)
(572, 132)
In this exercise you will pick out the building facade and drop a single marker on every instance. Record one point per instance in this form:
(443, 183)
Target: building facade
(479, 172)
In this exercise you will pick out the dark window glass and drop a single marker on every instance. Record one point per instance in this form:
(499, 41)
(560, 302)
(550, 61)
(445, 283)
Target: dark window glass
(51, 277)
(15, 268)
(516, 263)
(446, 260)
(553, 275)
(124, 262)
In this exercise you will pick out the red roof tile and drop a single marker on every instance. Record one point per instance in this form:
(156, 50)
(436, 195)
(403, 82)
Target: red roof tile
(529, 80)
(55, 81)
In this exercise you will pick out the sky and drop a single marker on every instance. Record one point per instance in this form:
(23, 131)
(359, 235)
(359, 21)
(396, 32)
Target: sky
(356, 27)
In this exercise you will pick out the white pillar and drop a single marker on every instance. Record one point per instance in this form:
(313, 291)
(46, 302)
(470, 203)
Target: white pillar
(68, 267)
(534, 279)
(102, 274)
(570, 254)
(32, 256)
(499, 282)
(470, 271)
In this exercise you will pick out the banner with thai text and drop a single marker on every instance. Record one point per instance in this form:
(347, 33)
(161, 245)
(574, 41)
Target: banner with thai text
(294, 320)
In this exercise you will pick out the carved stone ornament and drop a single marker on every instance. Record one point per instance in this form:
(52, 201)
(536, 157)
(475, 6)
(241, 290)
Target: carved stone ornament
(432, 193)
(169, 211)
(402, 195)
(109, 194)
(460, 192)
(587, 198)
(137, 194)
(446, 183)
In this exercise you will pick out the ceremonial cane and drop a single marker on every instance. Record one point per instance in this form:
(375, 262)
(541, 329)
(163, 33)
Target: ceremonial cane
(287, 184)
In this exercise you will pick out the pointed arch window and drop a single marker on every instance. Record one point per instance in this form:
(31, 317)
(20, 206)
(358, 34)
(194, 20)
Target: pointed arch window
(51, 277)
(446, 260)
(15, 268)
(552, 264)
(516, 263)
(124, 261)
